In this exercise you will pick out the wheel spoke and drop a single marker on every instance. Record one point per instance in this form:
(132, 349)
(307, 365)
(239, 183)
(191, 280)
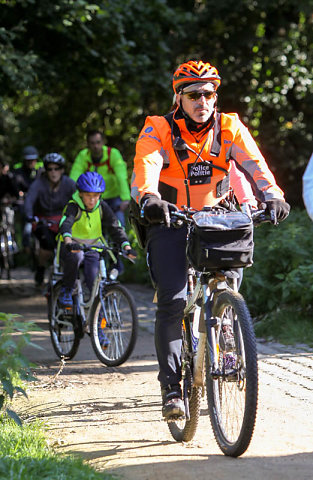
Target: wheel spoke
(114, 325)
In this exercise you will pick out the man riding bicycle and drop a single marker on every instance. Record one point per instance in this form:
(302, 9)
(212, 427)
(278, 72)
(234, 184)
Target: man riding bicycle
(184, 159)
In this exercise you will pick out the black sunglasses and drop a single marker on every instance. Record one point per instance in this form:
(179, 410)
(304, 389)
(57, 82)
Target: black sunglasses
(197, 95)
(53, 169)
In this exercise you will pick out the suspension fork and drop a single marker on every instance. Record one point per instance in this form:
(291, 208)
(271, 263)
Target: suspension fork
(206, 336)
(210, 324)
(101, 295)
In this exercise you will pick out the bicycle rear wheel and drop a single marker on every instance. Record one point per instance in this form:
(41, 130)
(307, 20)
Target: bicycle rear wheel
(65, 337)
(184, 429)
(114, 325)
(232, 391)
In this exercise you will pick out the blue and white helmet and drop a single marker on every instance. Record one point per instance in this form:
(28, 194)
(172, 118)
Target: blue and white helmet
(53, 158)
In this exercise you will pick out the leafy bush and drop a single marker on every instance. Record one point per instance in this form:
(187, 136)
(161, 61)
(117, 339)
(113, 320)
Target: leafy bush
(14, 366)
(281, 279)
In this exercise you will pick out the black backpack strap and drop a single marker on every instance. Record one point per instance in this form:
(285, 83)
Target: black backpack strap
(182, 154)
(216, 145)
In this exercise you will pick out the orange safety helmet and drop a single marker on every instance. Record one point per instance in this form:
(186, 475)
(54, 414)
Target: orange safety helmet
(195, 72)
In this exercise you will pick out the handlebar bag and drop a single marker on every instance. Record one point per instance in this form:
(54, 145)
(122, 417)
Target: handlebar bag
(220, 241)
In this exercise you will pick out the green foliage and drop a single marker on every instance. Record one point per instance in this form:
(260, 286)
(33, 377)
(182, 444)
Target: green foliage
(264, 51)
(280, 283)
(14, 366)
(69, 66)
(95, 66)
(25, 455)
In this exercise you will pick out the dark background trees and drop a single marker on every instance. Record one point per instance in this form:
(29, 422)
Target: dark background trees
(67, 66)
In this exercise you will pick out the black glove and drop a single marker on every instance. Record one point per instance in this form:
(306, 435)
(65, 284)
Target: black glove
(130, 251)
(32, 219)
(73, 246)
(156, 210)
(278, 210)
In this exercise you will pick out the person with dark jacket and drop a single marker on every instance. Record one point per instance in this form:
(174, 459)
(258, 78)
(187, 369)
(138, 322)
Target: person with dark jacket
(44, 203)
(26, 171)
(8, 187)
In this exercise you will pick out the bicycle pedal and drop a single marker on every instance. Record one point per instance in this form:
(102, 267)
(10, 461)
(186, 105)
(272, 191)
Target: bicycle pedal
(67, 311)
(175, 418)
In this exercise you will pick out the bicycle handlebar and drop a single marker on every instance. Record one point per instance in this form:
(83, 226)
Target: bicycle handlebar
(99, 247)
(42, 221)
(177, 218)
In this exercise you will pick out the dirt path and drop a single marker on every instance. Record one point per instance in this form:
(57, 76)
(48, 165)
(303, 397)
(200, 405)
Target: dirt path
(111, 416)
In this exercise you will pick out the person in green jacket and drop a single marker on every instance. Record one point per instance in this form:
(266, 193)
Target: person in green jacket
(108, 162)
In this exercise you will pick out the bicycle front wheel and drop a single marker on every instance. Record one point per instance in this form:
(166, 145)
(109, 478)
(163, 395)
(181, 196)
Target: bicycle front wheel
(7, 256)
(65, 337)
(114, 325)
(232, 390)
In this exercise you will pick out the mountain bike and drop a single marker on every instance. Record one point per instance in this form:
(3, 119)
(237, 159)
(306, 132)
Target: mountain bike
(219, 353)
(8, 246)
(109, 316)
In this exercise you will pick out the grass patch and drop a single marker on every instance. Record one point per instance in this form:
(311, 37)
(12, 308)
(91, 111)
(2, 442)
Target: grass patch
(25, 455)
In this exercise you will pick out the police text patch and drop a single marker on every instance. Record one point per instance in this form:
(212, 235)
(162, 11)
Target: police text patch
(200, 173)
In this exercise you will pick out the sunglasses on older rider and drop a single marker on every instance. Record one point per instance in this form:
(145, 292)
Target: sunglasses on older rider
(197, 95)
(55, 169)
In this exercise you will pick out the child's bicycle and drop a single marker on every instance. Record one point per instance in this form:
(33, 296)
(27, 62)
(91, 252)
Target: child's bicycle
(219, 352)
(109, 316)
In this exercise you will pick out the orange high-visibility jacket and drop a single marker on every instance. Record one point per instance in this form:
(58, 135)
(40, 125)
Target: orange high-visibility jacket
(159, 171)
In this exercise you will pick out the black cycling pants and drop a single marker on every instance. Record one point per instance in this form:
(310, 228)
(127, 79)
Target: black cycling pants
(71, 262)
(46, 237)
(166, 255)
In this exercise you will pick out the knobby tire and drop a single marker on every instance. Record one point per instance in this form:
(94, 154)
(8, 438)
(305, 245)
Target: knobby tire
(233, 403)
(183, 430)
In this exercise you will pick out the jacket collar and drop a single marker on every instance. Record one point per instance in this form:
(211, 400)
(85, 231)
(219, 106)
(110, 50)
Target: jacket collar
(78, 200)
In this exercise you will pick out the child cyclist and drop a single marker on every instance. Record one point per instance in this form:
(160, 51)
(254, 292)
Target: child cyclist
(85, 221)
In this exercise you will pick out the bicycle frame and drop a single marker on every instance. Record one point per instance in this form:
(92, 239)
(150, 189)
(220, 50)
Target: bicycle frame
(205, 289)
(84, 307)
(99, 284)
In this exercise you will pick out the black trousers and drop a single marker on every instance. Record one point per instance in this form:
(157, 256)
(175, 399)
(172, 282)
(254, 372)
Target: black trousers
(71, 262)
(166, 256)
